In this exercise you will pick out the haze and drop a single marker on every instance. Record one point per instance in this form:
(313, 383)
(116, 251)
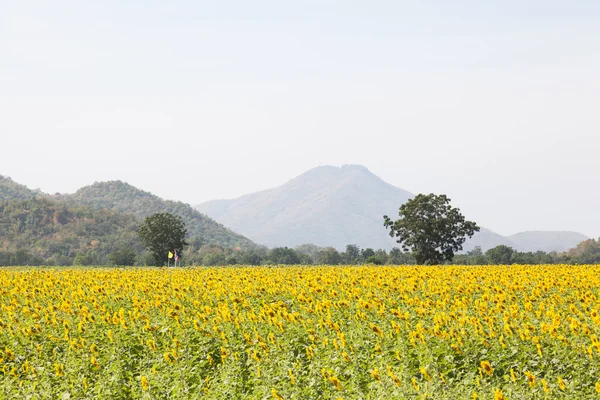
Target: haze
(493, 103)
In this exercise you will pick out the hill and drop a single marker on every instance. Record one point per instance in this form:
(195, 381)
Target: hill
(547, 240)
(10, 190)
(487, 239)
(41, 230)
(123, 198)
(336, 206)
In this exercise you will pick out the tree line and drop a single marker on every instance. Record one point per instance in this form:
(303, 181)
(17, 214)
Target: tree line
(587, 252)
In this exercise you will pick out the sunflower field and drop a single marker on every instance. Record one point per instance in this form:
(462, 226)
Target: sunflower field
(407, 332)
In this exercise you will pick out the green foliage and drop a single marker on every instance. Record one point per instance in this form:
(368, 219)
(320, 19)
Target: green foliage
(283, 255)
(587, 252)
(145, 259)
(214, 259)
(431, 228)
(253, 257)
(328, 256)
(398, 257)
(500, 255)
(308, 249)
(123, 198)
(540, 257)
(125, 256)
(162, 233)
(475, 257)
(378, 258)
(352, 254)
(232, 259)
(19, 257)
(42, 230)
(10, 190)
(366, 253)
(375, 260)
(83, 259)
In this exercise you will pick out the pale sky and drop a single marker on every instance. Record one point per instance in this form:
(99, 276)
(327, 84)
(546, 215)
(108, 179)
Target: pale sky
(495, 103)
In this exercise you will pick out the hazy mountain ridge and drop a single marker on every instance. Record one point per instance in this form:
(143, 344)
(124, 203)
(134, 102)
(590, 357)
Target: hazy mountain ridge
(547, 240)
(487, 239)
(335, 206)
(328, 206)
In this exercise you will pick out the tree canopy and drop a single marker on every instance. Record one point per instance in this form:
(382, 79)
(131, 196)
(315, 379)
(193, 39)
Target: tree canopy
(501, 254)
(431, 228)
(162, 233)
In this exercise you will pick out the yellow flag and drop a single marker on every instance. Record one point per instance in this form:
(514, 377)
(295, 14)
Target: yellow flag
(170, 255)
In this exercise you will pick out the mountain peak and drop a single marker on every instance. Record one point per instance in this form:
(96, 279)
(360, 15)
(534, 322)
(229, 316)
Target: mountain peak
(327, 205)
(333, 176)
(343, 169)
(355, 167)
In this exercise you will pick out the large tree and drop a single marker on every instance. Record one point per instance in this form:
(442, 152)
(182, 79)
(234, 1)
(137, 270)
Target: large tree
(162, 233)
(431, 228)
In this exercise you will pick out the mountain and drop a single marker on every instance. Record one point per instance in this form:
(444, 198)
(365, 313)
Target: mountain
(547, 240)
(124, 198)
(327, 206)
(42, 230)
(336, 206)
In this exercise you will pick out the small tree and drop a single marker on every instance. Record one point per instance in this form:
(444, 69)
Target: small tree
(254, 256)
(501, 254)
(365, 254)
(124, 256)
(328, 256)
(352, 254)
(396, 256)
(476, 257)
(376, 259)
(430, 228)
(283, 255)
(83, 259)
(380, 258)
(161, 233)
